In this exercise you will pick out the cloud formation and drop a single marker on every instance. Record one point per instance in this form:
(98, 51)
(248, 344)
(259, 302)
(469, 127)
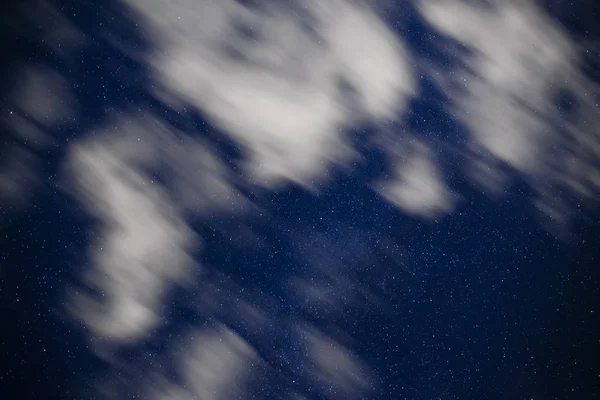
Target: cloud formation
(334, 367)
(215, 364)
(144, 243)
(39, 103)
(417, 186)
(508, 94)
(284, 82)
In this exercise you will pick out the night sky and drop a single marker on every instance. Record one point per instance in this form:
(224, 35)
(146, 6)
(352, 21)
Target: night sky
(452, 253)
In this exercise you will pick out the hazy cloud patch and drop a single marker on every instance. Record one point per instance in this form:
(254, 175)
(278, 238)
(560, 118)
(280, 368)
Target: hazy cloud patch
(335, 367)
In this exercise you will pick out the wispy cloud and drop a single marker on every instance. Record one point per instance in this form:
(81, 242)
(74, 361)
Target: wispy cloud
(335, 367)
(40, 102)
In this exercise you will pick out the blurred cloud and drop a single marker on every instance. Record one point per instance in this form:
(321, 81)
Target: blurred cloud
(18, 175)
(508, 96)
(39, 102)
(284, 82)
(329, 285)
(43, 97)
(143, 245)
(417, 186)
(340, 372)
(214, 364)
(144, 242)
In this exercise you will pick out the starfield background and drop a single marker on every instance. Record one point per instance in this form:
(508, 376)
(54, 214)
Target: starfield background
(219, 199)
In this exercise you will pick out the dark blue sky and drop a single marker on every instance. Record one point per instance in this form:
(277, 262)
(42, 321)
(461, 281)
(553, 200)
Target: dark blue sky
(489, 301)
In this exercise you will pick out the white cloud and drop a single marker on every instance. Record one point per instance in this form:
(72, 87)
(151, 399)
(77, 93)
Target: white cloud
(506, 96)
(517, 56)
(417, 186)
(143, 246)
(276, 91)
(144, 243)
(213, 365)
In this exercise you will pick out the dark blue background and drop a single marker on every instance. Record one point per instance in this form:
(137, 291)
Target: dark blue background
(482, 304)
